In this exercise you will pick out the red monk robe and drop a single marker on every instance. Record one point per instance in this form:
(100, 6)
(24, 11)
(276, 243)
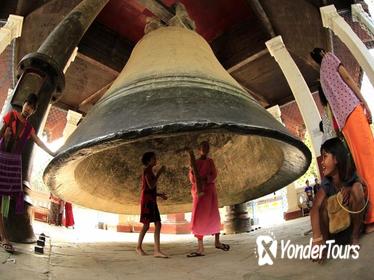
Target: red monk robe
(205, 215)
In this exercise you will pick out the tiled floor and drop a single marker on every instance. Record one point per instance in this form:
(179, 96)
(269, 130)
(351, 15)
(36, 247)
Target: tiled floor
(96, 254)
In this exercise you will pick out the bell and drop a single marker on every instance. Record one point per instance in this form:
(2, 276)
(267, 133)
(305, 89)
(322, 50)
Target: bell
(174, 93)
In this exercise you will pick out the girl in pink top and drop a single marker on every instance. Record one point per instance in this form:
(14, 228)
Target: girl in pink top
(338, 86)
(205, 215)
(353, 117)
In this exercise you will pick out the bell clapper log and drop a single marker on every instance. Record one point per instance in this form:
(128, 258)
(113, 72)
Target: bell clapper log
(199, 185)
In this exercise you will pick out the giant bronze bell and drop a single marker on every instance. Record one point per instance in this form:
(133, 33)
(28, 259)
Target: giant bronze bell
(173, 92)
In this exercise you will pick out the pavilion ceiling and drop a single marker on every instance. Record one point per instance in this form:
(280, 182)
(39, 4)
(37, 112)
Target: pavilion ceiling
(236, 30)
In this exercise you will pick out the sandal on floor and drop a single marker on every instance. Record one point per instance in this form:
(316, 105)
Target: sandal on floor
(195, 254)
(8, 247)
(162, 256)
(224, 247)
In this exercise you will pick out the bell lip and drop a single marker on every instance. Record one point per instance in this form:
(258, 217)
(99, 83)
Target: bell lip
(174, 129)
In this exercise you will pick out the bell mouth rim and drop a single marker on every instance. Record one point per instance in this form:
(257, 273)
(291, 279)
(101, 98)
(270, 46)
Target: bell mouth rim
(68, 160)
(78, 151)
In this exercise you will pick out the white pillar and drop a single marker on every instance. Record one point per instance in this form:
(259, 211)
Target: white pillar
(11, 30)
(292, 203)
(300, 90)
(291, 194)
(71, 123)
(44, 121)
(359, 15)
(331, 19)
(71, 59)
(276, 112)
(4, 109)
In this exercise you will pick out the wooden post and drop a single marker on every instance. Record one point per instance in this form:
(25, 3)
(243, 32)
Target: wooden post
(199, 185)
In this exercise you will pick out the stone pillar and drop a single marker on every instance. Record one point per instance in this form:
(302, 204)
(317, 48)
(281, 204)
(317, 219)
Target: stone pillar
(4, 110)
(41, 72)
(300, 90)
(276, 112)
(71, 124)
(293, 210)
(72, 120)
(71, 59)
(331, 19)
(359, 15)
(176, 223)
(237, 219)
(11, 30)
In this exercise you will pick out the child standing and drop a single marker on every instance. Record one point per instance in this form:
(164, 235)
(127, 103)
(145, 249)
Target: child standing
(148, 203)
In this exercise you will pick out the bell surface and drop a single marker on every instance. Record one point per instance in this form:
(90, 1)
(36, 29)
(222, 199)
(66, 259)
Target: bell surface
(174, 93)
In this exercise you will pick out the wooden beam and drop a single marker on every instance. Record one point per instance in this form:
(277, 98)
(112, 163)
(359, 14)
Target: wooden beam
(97, 64)
(260, 99)
(105, 46)
(239, 43)
(63, 106)
(93, 98)
(247, 60)
(317, 3)
(262, 16)
(25, 7)
(158, 9)
(8, 7)
(285, 100)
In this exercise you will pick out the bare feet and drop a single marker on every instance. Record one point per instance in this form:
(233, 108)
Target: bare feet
(355, 241)
(322, 259)
(369, 228)
(141, 252)
(160, 255)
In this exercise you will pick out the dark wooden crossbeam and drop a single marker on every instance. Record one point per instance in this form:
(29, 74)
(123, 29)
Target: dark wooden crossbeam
(107, 47)
(158, 9)
(339, 4)
(7, 7)
(240, 43)
(259, 98)
(260, 13)
(90, 101)
(247, 60)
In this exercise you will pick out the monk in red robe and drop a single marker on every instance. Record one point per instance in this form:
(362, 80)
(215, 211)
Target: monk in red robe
(205, 214)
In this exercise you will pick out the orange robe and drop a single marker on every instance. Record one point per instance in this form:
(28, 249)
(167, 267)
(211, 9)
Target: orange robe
(360, 140)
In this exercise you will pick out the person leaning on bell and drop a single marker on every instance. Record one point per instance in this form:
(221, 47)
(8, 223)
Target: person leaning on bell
(14, 135)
